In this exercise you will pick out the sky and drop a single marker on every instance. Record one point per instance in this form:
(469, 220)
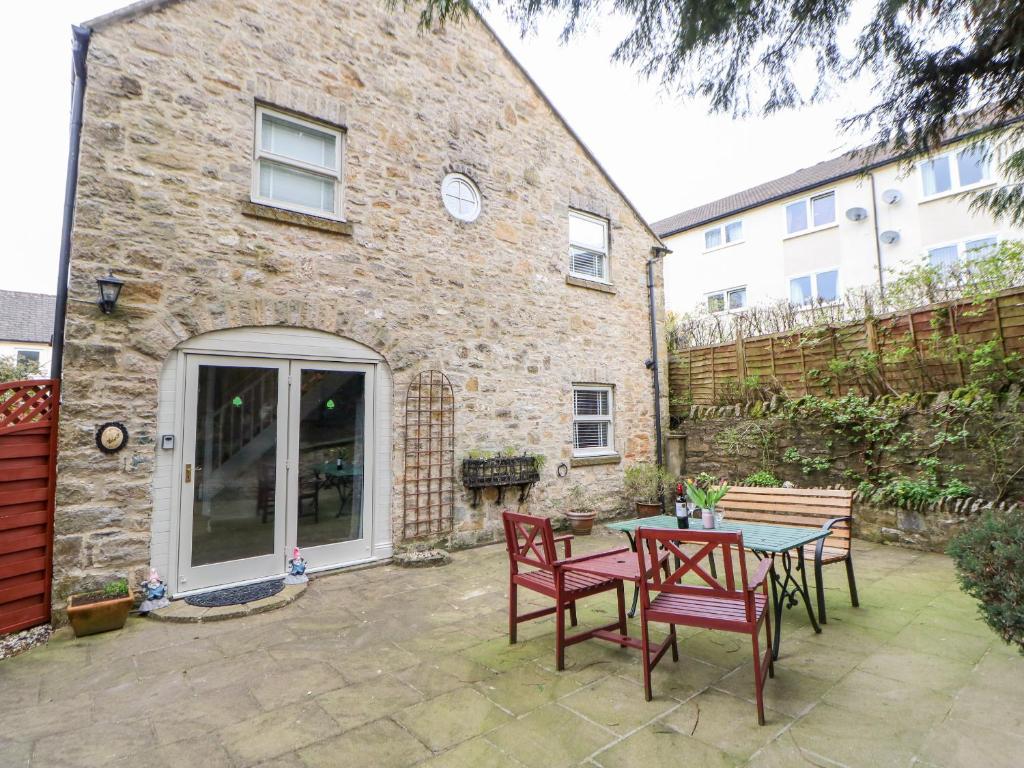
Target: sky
(666, 154)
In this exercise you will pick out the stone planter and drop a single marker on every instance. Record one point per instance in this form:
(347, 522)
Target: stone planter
(95, 616)
(647, 509)
(581, 523)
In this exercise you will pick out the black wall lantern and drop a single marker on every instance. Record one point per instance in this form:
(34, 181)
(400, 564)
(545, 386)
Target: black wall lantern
(110, 289)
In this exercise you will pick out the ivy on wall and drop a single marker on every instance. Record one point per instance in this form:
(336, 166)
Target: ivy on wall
(900, 447)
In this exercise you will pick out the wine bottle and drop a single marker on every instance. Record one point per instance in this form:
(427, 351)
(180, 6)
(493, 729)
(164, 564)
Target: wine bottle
(682, 518)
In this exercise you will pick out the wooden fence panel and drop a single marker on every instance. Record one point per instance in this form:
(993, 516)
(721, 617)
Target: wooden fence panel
(28, 442)
(913, 351)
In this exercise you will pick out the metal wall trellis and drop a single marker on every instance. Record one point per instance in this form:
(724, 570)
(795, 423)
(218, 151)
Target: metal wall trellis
(429, 456)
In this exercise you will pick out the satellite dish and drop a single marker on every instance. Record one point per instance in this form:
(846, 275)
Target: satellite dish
(892, 196)
(857, 214)
(889, 237)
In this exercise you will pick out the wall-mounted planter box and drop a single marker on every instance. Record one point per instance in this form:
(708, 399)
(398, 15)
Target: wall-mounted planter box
(500, 472)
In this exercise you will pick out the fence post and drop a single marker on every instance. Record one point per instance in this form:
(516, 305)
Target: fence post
(959, 349)
(714, 389)
(741, 356)
(871, 335)
(835, 353)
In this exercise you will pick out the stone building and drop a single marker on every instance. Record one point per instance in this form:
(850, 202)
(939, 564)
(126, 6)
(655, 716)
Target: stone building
(314, 206)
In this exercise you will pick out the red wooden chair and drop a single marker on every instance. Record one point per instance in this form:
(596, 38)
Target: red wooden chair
(531, 544)
(735, 606)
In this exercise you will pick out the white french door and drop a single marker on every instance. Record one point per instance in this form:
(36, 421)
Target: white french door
(275, 453)
(330, 460)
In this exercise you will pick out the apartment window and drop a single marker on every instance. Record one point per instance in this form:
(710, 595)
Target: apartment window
(592, 432)
(27, 356)
(732, 299)
(811, 213)
(716, 237)
(297, 164)
(588, 246)
(954, 171)
(819, 286)
(945, 256)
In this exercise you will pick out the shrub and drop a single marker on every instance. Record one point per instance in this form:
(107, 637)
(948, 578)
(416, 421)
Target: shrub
(764, 479)
(989, 558)
(646, 482)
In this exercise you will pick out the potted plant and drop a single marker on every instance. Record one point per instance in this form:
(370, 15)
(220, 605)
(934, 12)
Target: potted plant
(706, 500)
(646, 484)
(101, 610)
(581, 512)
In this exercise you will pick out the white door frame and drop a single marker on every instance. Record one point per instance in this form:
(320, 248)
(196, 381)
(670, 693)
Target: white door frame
(343, 552)
(232, 571)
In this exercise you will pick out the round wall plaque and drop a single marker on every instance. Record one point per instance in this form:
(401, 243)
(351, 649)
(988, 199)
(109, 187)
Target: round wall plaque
(111, 437)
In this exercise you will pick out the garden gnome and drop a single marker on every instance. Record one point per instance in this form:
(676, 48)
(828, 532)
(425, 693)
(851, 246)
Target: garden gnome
(155, 591)
(297, 571)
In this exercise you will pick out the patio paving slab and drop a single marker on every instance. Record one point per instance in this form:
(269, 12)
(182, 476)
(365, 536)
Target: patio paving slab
(389, 667)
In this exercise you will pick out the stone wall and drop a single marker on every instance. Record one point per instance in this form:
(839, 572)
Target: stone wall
(163, 201)
(697, 445)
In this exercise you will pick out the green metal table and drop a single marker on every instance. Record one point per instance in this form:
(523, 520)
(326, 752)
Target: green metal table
(764, 541)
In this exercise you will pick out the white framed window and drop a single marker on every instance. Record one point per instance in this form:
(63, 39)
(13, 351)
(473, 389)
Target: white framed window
(461, 197)
(810, 213)
(720, 236)
(729, 300)
(592, 421)
(818, 286)
(588, 246)
(946, 255)
(27, 356)
(954, 172)
(297, 164)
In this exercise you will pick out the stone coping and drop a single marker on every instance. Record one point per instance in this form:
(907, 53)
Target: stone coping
(181, 612)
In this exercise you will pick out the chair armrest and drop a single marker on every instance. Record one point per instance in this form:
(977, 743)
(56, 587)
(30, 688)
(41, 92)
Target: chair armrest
(566, 538)
(591, 556)
(829, 524)
(819, 548)
(762, 573)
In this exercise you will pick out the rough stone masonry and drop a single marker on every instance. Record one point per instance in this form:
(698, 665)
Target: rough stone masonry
(164, 201)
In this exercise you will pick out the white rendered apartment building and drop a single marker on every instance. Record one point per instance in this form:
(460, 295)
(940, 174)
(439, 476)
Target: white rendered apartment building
(844, 223)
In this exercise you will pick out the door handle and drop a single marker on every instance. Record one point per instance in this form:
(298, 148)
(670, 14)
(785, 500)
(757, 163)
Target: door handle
(188, 473)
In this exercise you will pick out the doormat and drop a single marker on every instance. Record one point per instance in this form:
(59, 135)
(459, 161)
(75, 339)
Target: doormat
(236, 595)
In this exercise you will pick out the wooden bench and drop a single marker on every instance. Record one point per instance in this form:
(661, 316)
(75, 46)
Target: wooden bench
(807, 508)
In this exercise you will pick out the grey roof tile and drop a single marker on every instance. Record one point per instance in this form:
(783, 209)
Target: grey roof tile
(806, 179)
(26, 316)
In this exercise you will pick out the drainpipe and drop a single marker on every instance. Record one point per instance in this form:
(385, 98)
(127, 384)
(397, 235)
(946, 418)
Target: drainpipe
(657, 252)
(79, 51)
(878, 233)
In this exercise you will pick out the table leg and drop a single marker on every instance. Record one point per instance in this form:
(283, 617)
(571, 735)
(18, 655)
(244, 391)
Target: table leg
(801, 566)
(787, 591)
(636, 585)
(777, 600)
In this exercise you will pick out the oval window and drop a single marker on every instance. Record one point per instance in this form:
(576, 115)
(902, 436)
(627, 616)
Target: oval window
(461, 197)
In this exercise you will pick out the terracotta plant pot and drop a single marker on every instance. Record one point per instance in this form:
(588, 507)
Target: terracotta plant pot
(581, 522)
(643, 509)
(100, 616)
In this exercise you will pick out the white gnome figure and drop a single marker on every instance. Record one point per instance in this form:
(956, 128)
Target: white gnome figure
(155, 591)
(297, 571)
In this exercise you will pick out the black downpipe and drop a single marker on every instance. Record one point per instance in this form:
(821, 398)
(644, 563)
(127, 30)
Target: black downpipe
(79, 51)
(657, 252)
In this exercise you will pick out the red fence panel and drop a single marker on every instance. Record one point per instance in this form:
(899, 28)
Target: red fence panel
(28, 479)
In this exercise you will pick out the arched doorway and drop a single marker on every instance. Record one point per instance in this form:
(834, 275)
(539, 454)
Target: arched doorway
(279, 435)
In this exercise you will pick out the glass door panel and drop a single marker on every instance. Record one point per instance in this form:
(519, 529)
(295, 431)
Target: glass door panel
(233, 479)
(331, 412)
(236, 464)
